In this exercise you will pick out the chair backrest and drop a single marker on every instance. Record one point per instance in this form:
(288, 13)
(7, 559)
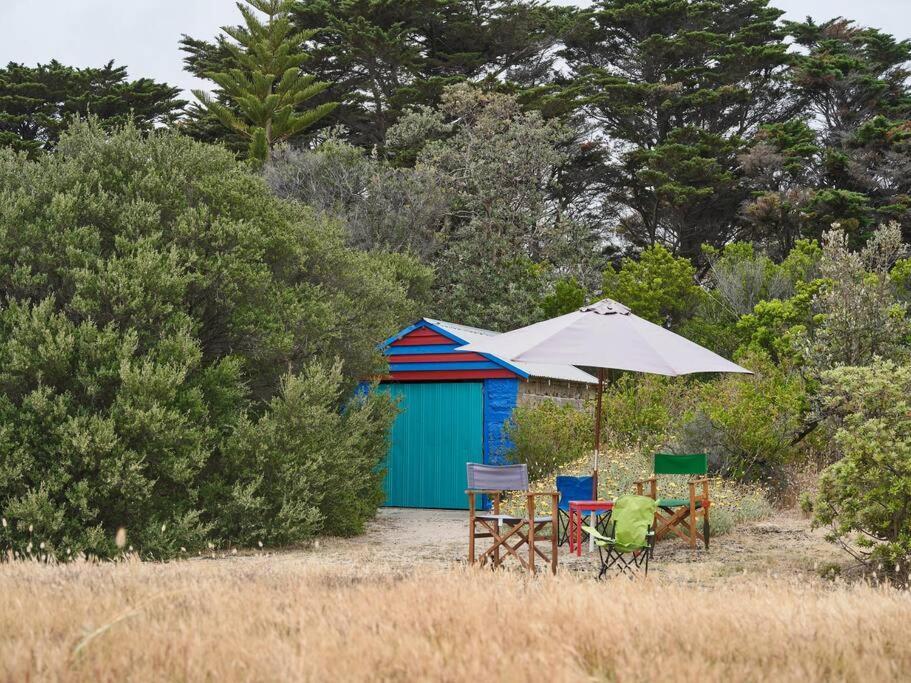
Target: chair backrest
(670, 463)
(497, 477)
(575, 488)
(631, 517)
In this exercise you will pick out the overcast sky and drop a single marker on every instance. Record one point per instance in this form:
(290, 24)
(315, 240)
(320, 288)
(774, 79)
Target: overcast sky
(143, 34)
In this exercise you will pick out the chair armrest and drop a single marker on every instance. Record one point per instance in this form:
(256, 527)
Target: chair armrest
(652, 481)
(532, 494)
(595, 534)
(485, 492)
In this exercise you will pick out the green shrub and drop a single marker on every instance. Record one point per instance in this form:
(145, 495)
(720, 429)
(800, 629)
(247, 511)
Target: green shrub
(546, 436)
(747, 424)
(865, 497)
(165, 329)
(658, 286)
(643, 410)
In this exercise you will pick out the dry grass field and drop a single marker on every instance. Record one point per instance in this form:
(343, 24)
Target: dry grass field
(310, 617)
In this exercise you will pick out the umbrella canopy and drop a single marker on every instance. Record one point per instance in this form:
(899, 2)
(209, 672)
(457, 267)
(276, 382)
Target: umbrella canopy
(605, 335)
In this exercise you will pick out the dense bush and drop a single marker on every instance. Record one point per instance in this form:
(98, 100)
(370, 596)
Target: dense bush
(644, 410)
(748, 425)
(866, 496)
(168, 334)
(546, 436)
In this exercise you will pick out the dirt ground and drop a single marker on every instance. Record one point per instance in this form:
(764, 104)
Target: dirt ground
(782, 545)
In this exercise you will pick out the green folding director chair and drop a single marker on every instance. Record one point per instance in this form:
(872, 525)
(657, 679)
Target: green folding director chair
(630, 539)
(680, 515)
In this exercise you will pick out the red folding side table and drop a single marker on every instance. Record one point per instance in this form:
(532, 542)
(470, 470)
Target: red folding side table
(576, 510)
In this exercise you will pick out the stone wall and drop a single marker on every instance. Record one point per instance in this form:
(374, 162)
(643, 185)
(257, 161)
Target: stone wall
(535, 390)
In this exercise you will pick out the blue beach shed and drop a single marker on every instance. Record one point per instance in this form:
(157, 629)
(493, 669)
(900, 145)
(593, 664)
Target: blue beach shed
(454, 406)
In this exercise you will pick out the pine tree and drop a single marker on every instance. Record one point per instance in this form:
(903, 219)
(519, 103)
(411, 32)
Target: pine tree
(37, 103)
(264, 92)
(383, 57)
(676, 86)
(851, 165)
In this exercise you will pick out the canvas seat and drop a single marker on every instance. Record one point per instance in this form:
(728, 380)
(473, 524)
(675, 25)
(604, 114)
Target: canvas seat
(677, 502)
(679, 516)
(572, 488)
(628, 543)
(509, 533)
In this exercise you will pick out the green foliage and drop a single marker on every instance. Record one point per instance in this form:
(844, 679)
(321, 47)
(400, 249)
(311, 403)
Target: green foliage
(866, 496)
(37, 103)
(304, 465)
(643, 410)
(778, 326)
(265, 89)
(858, 312)
(501, 245)
(749, 425)
(567, 297)
(658, 286)
(384, 57)
(165, 329)
(677, 85)
(547, 436)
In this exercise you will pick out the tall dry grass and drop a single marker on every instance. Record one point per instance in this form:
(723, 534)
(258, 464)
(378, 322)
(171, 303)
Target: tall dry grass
(285, 618)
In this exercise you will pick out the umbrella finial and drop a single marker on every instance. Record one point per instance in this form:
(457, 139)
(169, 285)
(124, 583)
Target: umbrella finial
(606, 307)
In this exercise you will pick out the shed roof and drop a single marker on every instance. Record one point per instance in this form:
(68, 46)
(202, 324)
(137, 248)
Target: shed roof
(469, 335)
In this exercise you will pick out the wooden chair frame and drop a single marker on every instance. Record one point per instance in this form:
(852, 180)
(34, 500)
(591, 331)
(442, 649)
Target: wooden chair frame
(669, 520)
(510, 533)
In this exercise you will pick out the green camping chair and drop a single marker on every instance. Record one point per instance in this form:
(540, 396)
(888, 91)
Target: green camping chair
(679, 515)
(630, 538)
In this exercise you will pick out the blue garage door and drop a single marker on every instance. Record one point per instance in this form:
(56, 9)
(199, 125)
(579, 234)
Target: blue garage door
(439, 429)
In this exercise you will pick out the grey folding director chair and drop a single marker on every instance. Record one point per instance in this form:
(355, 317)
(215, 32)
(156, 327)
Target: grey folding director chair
(509, 532)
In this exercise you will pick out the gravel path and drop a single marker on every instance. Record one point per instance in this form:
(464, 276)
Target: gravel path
(781, 545)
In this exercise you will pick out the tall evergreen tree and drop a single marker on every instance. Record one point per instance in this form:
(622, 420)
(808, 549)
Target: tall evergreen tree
(674, 87)
(856, 81)
(37, 103)
(847, 163)
(383, 56)
(850, 74)
(265, 90)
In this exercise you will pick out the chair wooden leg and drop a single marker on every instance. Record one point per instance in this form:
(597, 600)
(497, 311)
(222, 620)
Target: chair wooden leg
(692, 516)
(471, 528)
(692, 521)
(554, 532)
(501, 541)
(705, 526)
(531, 534)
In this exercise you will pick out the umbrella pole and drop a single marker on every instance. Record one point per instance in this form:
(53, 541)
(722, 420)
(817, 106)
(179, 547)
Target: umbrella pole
(597, 432)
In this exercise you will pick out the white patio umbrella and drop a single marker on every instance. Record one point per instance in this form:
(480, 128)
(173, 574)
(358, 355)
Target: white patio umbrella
(606, 336)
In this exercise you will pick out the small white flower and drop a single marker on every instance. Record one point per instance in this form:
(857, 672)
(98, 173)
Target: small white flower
(4, 521)
(260, 544)
(163, 527)
(41, 545)
(182, 549)
(31, 528)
